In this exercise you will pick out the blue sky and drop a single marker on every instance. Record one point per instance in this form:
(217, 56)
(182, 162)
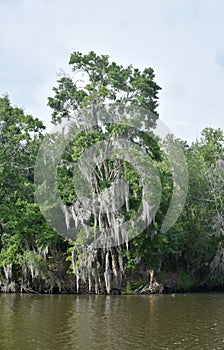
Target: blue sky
(182, 41)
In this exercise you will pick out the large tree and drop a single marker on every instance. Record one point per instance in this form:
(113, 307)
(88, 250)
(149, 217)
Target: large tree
(94, 84)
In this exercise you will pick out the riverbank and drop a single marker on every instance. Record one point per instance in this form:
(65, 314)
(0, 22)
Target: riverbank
(134, 283)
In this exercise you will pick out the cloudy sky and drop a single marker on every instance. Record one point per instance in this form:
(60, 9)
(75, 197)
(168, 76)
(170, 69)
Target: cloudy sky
(181, 39)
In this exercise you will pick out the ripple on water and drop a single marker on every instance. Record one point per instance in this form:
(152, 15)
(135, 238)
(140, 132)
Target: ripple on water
(158, 322)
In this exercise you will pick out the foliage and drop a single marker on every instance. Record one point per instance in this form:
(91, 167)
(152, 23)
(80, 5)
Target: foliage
(23, 230)
(31, 252)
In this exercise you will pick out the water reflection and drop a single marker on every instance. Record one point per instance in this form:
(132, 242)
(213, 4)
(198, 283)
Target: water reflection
(47, 322)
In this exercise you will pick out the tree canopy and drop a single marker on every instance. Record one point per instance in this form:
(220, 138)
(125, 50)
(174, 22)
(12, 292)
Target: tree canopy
(34, 257)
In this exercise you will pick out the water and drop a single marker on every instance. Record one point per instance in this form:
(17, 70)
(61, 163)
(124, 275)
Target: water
(157, 322)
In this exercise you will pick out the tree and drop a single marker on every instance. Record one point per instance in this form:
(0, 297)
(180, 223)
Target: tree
(212, 147)
(200, 225)
(23, 229)
(94, 84)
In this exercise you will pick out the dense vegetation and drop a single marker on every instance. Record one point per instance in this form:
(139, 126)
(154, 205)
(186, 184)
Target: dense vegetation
(34, 257)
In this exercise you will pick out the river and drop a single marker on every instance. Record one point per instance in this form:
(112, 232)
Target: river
(157, 322)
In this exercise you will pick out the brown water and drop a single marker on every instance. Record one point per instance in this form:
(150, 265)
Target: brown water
(59, 322)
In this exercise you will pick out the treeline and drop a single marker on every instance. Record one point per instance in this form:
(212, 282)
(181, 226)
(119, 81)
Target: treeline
(35, 258)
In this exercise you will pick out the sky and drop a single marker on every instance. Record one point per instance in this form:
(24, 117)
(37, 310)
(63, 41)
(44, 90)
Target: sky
(182, 40)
